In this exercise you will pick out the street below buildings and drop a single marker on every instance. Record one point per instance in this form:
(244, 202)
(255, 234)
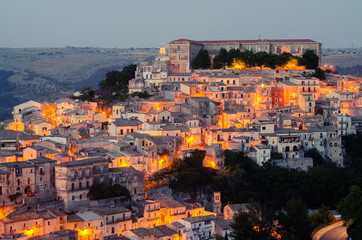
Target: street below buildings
(335, 231)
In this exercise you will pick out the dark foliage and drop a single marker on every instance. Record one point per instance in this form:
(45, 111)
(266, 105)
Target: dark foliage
(256, 224)
(310, 59)
(351, 211)
(320, 74)
(317, 157)
(188, 175)
(118, 81)
(260, 59)
(102, 191)
(294, 221)
(202, 60)
(143, 94)
(274, 186)
(321, 218)
(220, 60)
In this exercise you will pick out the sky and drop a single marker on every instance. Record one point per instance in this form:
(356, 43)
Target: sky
(149, 23)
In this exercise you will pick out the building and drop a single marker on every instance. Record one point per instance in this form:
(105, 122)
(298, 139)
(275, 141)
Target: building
(182, 52)
(74, 179)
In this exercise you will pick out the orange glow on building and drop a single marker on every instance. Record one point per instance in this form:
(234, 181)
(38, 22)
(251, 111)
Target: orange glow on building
(291, 64)
(83, 233)
(5, 210)
(72, 150)
(123, 163)
(34, 231)
(209, 162)
(104, 111)
(329, 68)
(49, 112)
(285, 49)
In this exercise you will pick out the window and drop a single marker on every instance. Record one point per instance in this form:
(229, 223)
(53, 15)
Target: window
(80, 185)
(72, 186)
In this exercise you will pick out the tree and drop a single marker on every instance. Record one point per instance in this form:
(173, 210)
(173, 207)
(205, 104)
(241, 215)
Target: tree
(310, 60)
(276, 155)
(202, 60)
(102, 191)
(320, 74)
(118, 81)
(87, 94)
(248, 58)
(260, 58)
(294, 221)
(233, 54)
(322, 217)
(256, 224)
(317, 157)
(351, 211)
(220, 60)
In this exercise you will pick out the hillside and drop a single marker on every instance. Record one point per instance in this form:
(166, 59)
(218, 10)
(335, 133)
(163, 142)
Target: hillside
(46, 74)
(345, 60)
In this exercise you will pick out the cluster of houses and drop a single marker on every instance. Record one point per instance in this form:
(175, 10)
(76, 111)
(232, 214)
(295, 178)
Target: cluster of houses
(51, 154)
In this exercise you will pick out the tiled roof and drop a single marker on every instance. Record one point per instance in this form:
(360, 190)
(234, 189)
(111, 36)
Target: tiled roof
(248, 41)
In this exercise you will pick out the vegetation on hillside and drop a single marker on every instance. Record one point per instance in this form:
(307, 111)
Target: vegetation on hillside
(102, 191)
(202, 60)
(117, 81)
(351, 211)
(113, 87)
(262, 59)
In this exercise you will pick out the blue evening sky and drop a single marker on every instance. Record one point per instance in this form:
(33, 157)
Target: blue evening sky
(148, 23)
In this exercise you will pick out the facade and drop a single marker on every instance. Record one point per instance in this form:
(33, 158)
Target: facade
(182, 52)
(74, 179)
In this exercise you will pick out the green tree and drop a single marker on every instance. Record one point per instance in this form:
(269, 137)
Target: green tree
(310, 60)
(320, 74)
(256, 224)
(322, 217)
(102, 191)
(276, 155)
(220, 60)
(233, 54)
(284, 58)
(351, 211)
(248, 58)
(260, 58)
(202, 60)
(317, 157)
(294, 221)
(87, 94)
(118, 81)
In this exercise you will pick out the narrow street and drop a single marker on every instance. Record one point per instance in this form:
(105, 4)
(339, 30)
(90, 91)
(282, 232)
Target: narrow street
(335, 231)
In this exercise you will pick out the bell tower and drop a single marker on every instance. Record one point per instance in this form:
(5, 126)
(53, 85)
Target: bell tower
(216, 206)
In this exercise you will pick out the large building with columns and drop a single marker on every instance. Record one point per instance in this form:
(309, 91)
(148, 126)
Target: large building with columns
(183, 51)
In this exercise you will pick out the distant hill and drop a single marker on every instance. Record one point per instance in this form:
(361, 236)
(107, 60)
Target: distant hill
(46, 74)
(344, 59)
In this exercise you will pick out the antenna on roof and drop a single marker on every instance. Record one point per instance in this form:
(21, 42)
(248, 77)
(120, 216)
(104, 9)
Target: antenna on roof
(259, 37)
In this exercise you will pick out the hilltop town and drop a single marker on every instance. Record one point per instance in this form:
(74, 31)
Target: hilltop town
(87, 167)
